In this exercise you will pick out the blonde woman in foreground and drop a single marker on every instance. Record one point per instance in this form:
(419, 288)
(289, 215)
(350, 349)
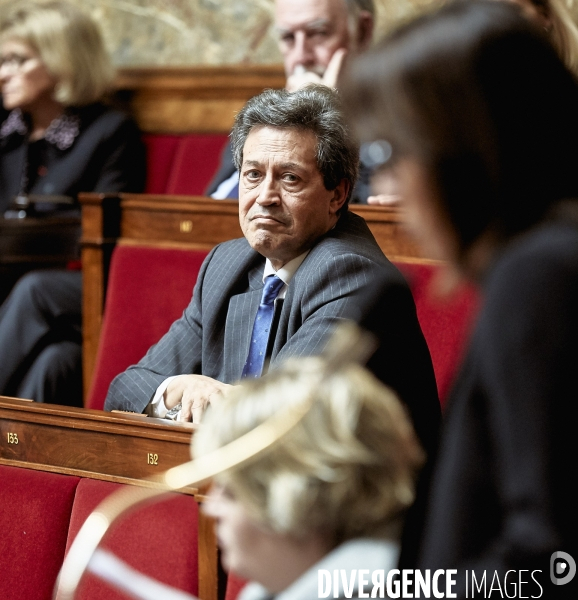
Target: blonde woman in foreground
(330, 495)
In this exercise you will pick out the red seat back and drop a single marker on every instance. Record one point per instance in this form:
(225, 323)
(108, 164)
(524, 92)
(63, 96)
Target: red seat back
(161, 151)
(35, 510)
(234, 586)
(159, 540)
(446, 323)
(195, 162)
(148, 289)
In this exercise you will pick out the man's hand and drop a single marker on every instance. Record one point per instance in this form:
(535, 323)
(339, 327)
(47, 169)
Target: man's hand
(384, 199)
(385, 184)
(300, 77)
(195, 393)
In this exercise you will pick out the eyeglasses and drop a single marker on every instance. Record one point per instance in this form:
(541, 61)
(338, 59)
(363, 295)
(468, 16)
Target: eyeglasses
(14, 62)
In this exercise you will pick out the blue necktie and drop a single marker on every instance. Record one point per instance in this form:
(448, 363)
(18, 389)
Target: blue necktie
(262, 327)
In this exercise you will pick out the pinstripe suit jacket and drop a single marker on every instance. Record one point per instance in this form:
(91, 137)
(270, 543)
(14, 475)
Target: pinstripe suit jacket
(213, 335)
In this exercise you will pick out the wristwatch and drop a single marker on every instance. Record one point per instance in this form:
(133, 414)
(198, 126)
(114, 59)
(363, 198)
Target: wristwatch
(173, 413)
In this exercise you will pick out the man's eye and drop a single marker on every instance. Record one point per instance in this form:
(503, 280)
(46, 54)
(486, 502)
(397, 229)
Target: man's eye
(318, 33)
(287, 38)
(290, 178)
(252, 174)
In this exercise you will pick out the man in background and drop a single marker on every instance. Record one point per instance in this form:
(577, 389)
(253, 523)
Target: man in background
(315, 36)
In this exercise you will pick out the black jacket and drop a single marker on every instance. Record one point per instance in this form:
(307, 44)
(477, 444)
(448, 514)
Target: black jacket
(90, 149)
(503, 487)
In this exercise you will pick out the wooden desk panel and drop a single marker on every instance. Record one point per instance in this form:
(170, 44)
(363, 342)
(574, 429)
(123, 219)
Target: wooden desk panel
(188, 221)
(186, 99)
(89, 443)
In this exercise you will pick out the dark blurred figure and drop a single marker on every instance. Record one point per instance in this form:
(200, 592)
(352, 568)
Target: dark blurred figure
(482, 118)
(555, 19)
(58, 139)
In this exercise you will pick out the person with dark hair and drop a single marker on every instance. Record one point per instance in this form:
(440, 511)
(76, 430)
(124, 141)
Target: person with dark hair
(58, 139)
(303, 265)
(481, 116)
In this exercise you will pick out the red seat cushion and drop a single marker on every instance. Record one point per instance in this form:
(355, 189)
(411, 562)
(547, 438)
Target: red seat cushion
(195, 162)
(148, 289)
(234, 586)
(161, 151)
(446, 323)
(159, 540)
(35, 510)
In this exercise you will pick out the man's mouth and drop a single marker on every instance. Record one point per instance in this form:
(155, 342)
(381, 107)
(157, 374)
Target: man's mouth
(266, 219)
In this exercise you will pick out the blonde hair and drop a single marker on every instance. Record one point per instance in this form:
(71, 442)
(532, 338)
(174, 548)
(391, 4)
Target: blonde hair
(69, 44)
(346, 470)
(564, 32)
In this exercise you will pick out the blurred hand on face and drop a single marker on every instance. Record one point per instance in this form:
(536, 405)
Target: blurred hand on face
(302, 77)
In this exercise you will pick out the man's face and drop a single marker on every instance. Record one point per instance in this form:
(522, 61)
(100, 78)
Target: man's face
(310, 31)
(283, 204)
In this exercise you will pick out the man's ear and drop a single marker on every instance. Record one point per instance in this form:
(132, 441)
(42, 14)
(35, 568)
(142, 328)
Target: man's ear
(340, 194)
(365, 24)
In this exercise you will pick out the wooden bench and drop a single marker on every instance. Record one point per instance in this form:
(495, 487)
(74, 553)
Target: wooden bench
(85, 456)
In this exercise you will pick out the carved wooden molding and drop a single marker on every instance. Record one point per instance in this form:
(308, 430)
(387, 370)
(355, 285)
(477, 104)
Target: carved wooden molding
(192, 99)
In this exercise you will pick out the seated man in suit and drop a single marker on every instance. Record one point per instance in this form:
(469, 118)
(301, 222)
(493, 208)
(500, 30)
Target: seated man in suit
(304, 263)
(314, 37)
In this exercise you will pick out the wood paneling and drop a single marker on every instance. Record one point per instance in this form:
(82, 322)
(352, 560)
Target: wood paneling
(192, 99)
(115, 447)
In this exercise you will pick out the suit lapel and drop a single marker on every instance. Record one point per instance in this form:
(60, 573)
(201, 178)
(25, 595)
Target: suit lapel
(239, 326)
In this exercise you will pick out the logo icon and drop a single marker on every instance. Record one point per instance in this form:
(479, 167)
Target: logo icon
(562, 568)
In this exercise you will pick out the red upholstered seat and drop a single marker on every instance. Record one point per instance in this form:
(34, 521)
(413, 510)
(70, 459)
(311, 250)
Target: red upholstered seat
(35, 510)
(161, 151)
(148, 289)
(159, 540)
(234, 585)
(446, 323)
(195, 162)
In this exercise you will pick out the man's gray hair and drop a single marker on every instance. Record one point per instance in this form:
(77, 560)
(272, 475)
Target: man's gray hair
(315, 108)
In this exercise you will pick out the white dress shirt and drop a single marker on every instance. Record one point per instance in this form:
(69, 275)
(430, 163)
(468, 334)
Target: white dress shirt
(226, 187)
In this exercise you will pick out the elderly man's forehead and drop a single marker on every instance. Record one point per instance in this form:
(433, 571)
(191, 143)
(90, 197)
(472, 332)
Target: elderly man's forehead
(295, 14)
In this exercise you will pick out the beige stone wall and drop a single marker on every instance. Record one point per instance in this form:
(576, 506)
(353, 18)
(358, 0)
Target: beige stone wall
(197, 32)
(206, 32)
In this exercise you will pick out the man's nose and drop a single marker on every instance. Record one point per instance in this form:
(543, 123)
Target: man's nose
(5, 72)
(269, 192)
(303, 50)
